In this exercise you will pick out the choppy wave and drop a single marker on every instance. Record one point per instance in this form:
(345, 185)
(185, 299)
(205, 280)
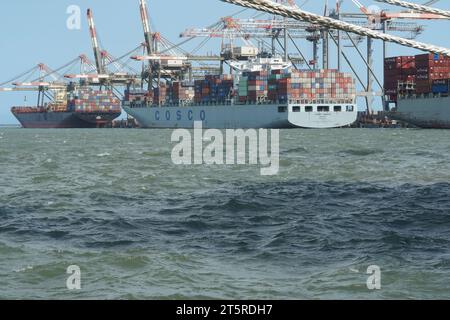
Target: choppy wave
(140, 227)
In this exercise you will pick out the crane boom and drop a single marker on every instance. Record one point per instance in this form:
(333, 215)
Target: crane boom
(298, 14)
(39, 84)
(417, 7)
(158, 58)
(383, 15)
(361, 7)
(87, 76)
(413, 16)
(18, 89)
(95, 46)
(146, 26)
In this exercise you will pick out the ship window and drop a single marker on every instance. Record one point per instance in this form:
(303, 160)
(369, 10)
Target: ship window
(282, 109)
(337, 108)
(350, 108)
(308, 109)
(296, 109)
(323, 108)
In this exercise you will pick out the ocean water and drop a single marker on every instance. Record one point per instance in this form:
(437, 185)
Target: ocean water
(140, 227)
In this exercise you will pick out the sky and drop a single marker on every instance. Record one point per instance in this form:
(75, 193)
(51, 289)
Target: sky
(36, 31)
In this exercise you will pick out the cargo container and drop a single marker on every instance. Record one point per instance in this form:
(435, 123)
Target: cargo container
(245, 51)
(214, 89)
(441, 86)
(419, 72)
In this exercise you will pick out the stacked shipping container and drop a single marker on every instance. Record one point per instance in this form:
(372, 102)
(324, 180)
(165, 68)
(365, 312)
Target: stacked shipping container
(431, 67)
(160, 94)
(175, 93)
(243, 89)
(286, 85)
(441, 86)
(89, 100)
(421, 70)
(180, 92)
(213, 89)
(138, 96)
(311, 85)
(398, 70)
(256, 86)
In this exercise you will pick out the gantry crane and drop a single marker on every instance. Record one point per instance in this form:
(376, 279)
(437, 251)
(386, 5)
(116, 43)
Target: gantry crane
(54, 89)
(247, 29)
(159, 65)
(100, 75)
(165, 60)
(230, 28)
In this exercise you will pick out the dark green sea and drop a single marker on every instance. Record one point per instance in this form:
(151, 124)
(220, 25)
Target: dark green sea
(139, 227)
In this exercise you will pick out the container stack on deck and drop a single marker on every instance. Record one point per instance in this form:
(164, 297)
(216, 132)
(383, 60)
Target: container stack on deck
(310, 85)
(181, 92)
(441, 86)
(278, 86)
(243, 89)
(94, 101)
(257, 85)
(160, 94)
(287, 85)
(431, 67)
(176, 93)
(213, 89)
(425, 72)
(138, 96)
(398, 70)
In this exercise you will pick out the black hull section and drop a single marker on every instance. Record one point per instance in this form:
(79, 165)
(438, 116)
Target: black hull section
(64, 119)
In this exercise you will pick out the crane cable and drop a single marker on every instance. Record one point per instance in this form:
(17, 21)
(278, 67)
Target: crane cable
(417, 7)
(56, 71)
(298, 14)
(32, 70)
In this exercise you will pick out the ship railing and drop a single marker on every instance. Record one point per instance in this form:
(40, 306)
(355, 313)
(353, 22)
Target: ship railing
(423, 96)
(231, 102)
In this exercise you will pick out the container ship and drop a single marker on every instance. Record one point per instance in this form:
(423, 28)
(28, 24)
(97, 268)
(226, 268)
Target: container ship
(419, 87)
(83, 108)
(262, 93)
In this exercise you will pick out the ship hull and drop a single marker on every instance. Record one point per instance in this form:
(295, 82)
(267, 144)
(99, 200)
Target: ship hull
(271, 116)
(427, 113)
(54, 120)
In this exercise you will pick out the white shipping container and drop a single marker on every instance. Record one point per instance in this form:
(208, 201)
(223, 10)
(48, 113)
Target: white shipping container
(172, 63)
(245, 51)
